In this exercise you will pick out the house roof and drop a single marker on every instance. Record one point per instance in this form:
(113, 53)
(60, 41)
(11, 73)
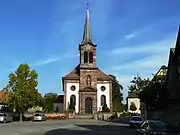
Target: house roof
(161, 73)
(172, 49)
(133, 95)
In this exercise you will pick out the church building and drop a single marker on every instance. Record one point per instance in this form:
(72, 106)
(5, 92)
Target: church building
(87, 87)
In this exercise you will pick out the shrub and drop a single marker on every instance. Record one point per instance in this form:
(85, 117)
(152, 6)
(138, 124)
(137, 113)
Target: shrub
(125, 114)
(133, 107)
(105, 108)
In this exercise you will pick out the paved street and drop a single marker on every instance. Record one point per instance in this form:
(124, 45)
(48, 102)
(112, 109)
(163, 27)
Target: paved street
(65, 127)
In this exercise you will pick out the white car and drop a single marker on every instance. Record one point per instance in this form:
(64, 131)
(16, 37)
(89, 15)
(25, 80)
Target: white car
(5, 117)
(136, 121)
(39, 117)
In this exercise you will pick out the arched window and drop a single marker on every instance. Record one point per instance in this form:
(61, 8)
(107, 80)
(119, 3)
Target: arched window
(85, 57)
(72, 100)
(90, 57)
(103, 100)
(88, 80)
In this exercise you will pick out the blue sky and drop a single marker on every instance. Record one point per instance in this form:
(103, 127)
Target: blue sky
(132, 36)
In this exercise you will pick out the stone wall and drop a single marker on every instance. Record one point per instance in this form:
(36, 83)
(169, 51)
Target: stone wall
(83, 96)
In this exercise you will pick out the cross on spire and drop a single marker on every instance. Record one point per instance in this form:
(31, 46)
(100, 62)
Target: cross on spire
(87, 4)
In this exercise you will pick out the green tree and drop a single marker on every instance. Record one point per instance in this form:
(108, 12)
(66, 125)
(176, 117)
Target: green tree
(133, 107)
(117, 96)
(22, 89)
(49, 99)
(154, 94)
(138, 84)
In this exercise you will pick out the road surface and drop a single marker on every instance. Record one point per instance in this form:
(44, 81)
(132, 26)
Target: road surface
(66, 127)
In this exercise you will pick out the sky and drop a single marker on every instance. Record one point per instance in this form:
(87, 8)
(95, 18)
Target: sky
(133, 37)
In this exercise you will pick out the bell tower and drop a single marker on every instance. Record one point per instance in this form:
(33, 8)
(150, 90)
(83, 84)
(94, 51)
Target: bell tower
(87, 48)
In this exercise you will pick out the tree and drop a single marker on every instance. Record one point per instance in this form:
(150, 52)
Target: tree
(154, 95)
(117, 96)
(138, 84)
(133, 107)
(22, 89)
(48, 100)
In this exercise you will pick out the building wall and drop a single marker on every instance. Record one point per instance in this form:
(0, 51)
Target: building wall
(58, 106)
(69, 92)
(137, 103)
(106, 93)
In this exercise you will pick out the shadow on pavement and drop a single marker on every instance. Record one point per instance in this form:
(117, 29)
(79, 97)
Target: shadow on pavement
(120, 120)
(93, 130)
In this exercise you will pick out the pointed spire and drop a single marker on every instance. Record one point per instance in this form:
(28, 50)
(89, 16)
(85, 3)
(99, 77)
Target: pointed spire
(87, 37)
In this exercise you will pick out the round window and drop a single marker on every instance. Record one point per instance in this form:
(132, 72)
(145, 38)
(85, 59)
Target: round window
(103, 88)
(73, 87)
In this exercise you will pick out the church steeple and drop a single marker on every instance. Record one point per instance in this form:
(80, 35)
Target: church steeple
(87, 48)
(87, 37)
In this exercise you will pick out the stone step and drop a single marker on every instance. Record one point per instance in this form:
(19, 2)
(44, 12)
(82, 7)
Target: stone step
(84, 116)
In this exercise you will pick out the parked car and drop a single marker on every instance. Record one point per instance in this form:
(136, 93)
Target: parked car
(39, 117)
(135, 121)
(5, 117)
(153, 127)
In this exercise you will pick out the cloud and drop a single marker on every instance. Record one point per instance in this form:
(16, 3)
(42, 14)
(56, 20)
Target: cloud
(129, 36)
(153, 47)
(45, 61)
(155, 54)
(49, 60)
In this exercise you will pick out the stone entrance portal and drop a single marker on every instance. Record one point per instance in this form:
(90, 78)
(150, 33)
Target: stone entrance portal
(88, 105)
(88, 102)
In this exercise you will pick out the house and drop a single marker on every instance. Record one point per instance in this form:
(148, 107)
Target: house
(87, 87)
(161, 73)
(172, 110)
(150, 110)
(59, 104)
(133, 98)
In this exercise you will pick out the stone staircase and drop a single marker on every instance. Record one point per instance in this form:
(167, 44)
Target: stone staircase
(84, 116)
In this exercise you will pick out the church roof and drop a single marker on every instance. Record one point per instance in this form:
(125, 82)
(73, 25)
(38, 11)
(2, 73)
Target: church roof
(75, 74)
(101, 76)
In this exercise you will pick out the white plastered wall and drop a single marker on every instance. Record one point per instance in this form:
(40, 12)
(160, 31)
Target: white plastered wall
(106, 93)
(69, 92)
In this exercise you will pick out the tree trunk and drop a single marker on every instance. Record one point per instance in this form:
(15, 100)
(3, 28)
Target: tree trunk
(21, 117)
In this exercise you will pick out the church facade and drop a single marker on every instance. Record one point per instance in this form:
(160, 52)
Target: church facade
(87, 87)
